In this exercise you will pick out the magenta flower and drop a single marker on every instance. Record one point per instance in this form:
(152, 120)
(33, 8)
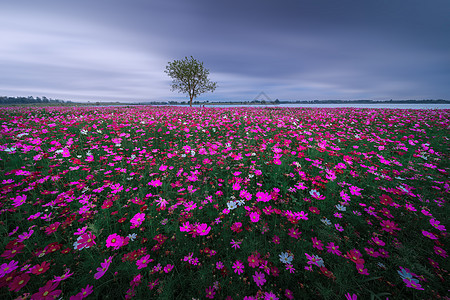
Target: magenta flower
(137, 220)
(317, 243)
(332, 248)
(254, 217)
(440, 251)
(114, 240)
(412, 283)
(238, 267)
(235, 244)
(143, 262)
(316, 195)
(351, 297)
(294, 232)
(155, 183)
(388, 226)
(354, 190)
(203, 229)
(436, 225)
(186, 227)
(270, 296)
(103, 268)
(263, 197)
(86, 240)
(168, 268)
(219, 265)
(259, 279)
(210, 292)
(7, 268)
(429, 235)
(289, 294)
(19, 200)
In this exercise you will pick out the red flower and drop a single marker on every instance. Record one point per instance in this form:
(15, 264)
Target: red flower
(253, 261)
(47, 291)
(386, 200)
(389, 226)
(19, 282)
(39, 269)
(10, 253)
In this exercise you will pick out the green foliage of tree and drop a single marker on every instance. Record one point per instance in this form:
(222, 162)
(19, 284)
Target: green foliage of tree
(189, 76)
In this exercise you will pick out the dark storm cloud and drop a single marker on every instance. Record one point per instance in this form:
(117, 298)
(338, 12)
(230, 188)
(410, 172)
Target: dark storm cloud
(289, 49)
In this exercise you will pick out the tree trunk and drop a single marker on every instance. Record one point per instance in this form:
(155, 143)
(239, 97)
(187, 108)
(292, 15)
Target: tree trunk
(190, 101)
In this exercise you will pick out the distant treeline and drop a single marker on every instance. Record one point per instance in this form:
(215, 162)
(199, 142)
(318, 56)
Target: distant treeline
(29, 100)
(371, 101)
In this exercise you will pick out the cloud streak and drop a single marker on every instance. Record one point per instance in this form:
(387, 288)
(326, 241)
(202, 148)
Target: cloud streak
(111, 50)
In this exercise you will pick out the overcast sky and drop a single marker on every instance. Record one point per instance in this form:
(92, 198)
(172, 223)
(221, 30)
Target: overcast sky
(290, 49)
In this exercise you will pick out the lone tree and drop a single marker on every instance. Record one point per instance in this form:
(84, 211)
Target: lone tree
(189, 76)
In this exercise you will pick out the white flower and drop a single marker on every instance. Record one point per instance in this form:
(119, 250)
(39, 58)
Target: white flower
(341, 207)
(240, 202)
(325, 221)
(83, 131)
(12, 149)
(285, 258)
(132, 236)
(231, 205)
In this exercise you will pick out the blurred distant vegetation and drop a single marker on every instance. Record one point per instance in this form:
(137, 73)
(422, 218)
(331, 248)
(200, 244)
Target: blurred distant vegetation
(29, 100)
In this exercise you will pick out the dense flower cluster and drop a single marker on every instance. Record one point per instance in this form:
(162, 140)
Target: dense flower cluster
(223, 203)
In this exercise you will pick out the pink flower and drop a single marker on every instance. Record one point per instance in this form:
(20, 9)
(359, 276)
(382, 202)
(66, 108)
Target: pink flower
(168, 268)
(317, 243)
(429, 235)
(263, 197)
(440, 251)
(219, 265)
(289, 294)
(238, 267)
(114, 240)
(19, 200)
(332, 248)
(155, 183)
(316, 195)
(270, 296)
(8, 268)
(293, 232)
(210, 292)
(186, 227)
(259, 278)
(388, 226)
(143, 262)
(351, 297)
(235, 244)
(412, 283)
(354, 190)
(203, 229)
(103, 268)
(86, 240)
(436, 225)
(137, 220)
(254, 217)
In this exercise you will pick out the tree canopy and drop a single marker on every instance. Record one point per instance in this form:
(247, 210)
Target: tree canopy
(189, 76)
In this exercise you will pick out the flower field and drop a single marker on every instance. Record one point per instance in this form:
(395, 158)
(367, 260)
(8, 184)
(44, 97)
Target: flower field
(224, 203)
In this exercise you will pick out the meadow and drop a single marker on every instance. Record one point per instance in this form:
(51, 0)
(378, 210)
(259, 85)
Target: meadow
(224, 203)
